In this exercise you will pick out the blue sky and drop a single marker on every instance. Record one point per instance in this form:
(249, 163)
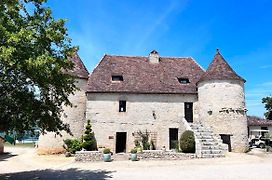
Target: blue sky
(242, 30)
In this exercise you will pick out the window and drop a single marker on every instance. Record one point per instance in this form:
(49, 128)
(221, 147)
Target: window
(183, 80)
(117, 78)
(122, 106)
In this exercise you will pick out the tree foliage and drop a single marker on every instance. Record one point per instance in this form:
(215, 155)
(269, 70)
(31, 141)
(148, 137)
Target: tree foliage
(33, 56)
(268, 106)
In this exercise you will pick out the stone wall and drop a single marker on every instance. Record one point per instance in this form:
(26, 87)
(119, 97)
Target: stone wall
(153, 112)
(84, 156)
(164, 155)
(50, 143)
(222, 106)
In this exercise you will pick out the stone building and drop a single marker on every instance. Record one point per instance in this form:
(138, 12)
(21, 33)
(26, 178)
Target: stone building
(258, 127)
(160, 96)
(50, 143)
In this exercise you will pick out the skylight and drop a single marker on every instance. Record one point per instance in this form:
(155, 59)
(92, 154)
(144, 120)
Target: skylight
(117, 78)
(183, 80)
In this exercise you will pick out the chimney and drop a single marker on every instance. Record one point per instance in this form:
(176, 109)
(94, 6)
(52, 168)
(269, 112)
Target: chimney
(154, 57)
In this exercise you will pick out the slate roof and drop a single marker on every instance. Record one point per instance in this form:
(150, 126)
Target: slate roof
(219, 69)
(141, 76)
(79, 70)
(257, 121)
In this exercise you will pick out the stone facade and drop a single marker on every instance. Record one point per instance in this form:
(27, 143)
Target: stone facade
(50, 143)
(155, 113)
(222, 106)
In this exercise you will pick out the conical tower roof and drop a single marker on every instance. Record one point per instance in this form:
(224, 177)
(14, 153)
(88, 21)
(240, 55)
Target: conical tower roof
(219, 69)
(79, 70)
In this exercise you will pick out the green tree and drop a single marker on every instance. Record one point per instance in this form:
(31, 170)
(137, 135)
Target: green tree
(89, 140)
(33, 56)
(268, 106)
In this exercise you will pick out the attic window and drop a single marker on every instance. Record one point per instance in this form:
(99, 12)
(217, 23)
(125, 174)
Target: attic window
(183, 80)
(117, 78)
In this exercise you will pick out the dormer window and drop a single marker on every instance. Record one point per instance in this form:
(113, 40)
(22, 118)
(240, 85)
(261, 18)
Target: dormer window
(117, 78)
(183, 80)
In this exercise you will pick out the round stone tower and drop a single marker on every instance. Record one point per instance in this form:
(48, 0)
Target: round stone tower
(222, 103)
(50, 143)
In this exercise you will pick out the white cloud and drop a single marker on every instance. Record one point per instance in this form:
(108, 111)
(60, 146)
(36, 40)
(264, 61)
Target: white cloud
(265, 67)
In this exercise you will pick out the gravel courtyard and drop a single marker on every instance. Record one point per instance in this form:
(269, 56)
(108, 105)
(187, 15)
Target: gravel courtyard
(23, 163)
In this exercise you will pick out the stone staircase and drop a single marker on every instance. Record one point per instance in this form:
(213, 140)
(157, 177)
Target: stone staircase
(208, 144)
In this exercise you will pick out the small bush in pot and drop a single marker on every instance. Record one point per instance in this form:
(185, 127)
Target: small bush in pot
(133, 154)
(187, 142)
(107, 155)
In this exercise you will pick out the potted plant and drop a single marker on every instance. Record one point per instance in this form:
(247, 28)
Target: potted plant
(133, 154)
(107, 155)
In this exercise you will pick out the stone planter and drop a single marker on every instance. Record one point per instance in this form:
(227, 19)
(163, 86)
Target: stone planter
(106, 157)
(133, 157)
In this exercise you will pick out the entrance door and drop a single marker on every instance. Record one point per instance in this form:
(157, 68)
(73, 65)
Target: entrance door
(173, 138)
(121, 142)
(226, 140)
(188, 109)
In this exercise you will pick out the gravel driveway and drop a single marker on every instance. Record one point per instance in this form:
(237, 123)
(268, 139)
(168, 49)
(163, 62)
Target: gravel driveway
(23, 163)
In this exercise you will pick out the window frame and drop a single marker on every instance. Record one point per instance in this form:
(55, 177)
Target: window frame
(183, 80)
(122, 106)
(117, 78)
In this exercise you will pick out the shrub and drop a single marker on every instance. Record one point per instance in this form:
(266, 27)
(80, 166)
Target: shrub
(187, 142)
(72, 145)
(106, 151)
(144, 138)
(89, 141)
(133, 151)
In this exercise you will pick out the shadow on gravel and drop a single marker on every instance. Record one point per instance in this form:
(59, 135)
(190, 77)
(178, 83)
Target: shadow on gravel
(70, 174)
(5, 156)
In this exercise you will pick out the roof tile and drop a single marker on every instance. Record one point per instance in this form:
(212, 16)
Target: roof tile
(79, 70)
(219, 69)
(141, 76)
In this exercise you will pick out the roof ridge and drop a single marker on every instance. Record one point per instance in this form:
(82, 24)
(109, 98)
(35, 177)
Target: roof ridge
(198, 64)
(170, 57)
(98, 64)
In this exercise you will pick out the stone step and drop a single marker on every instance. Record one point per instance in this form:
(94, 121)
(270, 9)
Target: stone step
(202, 130)
(205, 140)
(204, 137)
(210, 147)
(211, 143)
(213, 151)
(212, 155)
(204, 134)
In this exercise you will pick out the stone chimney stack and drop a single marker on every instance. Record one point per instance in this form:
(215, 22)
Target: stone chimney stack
(154, 57)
